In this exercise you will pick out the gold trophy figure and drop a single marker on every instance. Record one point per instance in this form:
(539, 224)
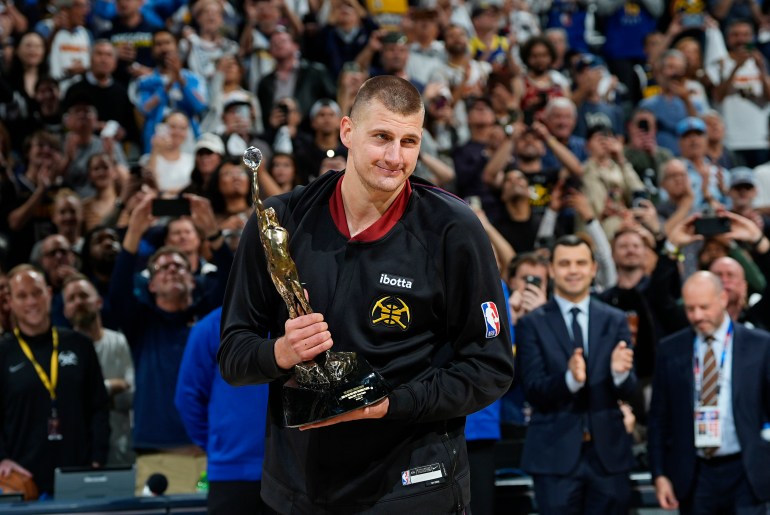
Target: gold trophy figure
(343, 381)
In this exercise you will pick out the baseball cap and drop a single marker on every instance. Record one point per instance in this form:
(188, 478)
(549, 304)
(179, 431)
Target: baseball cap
(394, 37)
(587, 61)
(210, 141)
(235, 98)
(483, 7)
(690, 124)
(741, 175)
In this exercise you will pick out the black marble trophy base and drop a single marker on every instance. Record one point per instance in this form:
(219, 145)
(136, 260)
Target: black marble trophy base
(304, 405)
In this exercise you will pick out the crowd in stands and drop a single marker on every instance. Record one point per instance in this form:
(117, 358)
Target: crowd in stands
(641, 124)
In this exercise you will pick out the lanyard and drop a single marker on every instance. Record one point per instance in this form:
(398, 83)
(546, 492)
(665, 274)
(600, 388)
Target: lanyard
(50, 384)
(697, 364)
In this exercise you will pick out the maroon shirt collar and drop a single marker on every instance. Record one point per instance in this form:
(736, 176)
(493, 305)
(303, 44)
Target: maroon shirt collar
(379, 228)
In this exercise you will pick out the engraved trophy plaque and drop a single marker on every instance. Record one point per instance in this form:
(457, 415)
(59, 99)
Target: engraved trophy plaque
(334, 383)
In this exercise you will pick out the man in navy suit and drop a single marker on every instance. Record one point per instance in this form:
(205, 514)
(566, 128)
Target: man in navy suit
(728, 471)
(576, 366)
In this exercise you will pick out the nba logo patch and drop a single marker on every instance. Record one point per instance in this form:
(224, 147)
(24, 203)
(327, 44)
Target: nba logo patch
(405, 480)
(491, 318)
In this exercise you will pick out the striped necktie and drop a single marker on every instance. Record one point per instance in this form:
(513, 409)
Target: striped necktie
(710, 391)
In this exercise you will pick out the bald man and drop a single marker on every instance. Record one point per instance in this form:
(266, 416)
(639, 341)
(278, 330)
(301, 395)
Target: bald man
(709, 403)
(733, 276)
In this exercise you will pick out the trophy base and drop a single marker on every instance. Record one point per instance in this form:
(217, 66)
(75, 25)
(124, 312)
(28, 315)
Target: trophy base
(304, 405)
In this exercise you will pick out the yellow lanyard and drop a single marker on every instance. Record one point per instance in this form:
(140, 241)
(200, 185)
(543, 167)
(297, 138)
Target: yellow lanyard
(50, 384)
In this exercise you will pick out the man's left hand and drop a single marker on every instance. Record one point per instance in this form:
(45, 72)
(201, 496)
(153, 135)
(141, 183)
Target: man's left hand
(376, 410)
(622, 358)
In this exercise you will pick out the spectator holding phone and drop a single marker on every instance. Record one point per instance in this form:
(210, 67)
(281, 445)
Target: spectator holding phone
(566, 198)
(609, 180)
(528, 281)
(673, 103)
(81, 143)
(168, 307)
(642, 149)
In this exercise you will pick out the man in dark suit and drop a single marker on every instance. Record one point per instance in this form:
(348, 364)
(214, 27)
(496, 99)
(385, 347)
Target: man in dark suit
(726, 367)
(576, 365)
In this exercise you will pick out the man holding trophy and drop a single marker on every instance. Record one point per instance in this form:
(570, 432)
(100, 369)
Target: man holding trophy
(407, 335)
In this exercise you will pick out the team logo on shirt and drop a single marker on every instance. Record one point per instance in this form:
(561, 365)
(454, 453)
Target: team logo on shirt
(491, 318)
(68, 358)
(390, 311)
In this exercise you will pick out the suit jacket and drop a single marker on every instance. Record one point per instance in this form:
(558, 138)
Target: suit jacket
(671, 440)
(313, 83)
(555, 433)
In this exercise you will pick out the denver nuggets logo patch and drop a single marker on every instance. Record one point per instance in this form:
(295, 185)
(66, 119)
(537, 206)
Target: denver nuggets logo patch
(390, 311)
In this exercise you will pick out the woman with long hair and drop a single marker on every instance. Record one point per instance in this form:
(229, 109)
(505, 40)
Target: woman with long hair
(229, 190)
(28, 65)
(283, 170)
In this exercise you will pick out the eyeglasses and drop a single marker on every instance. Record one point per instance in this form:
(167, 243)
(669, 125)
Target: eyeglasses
(57, 252)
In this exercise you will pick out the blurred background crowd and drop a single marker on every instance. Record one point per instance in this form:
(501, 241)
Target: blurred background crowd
(641, 124)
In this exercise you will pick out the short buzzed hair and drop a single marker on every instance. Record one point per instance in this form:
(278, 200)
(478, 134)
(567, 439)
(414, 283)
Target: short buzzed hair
(25, 268)
(73, 278)
(396, 94)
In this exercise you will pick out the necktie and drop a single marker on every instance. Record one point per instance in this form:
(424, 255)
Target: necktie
(577, 331)
(709, 392)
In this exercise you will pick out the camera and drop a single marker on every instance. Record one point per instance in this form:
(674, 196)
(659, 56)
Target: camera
(572, 183)
(638, 196)
(644, 125)
(284, 109)
(170, 207)
(534, 280)
(711, 225)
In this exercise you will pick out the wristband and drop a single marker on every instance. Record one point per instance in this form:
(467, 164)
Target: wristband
(672, 251)
(215, 236)
(758, 242)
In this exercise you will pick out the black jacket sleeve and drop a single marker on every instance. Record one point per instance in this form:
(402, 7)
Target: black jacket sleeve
(249, 313)
(479, 368)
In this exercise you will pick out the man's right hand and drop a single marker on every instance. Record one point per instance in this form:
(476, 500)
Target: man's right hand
(532, 298)
(305, 337)
(7, 466)
(664, 491)
(577, 365)
(683, 233)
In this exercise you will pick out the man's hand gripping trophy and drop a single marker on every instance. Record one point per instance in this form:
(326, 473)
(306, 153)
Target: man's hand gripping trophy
(275, 241)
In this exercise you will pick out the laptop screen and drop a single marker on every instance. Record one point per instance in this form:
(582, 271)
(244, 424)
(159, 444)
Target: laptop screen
(87, 483)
